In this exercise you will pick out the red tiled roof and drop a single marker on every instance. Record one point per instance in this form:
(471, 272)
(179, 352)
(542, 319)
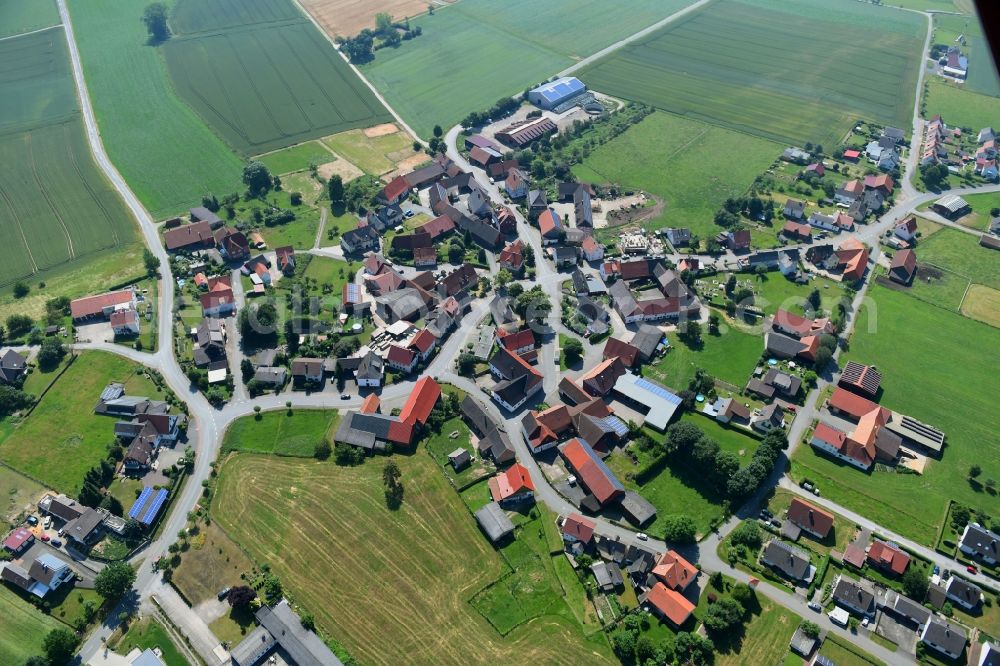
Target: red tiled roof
(423, 341)
(810, 517)
(889, 557)
(579, 527)
(672, 605)
(88, 306)
(589, 244)
(396, 188)
(881, 180)
(634, 270)
(623, 350)
(602, 377)
(598, 479)
(371, 404)
(851, 403)
(441, 224)
(200, 280)
(852, 154)
(217, 297)
(400, 432)
(515, 341)
(829, 435)
(549, 222)
(854, 555)
(676, 572)
(421, 401)
(510, 482)
(795, 229)
(400, 355)
(123, 317)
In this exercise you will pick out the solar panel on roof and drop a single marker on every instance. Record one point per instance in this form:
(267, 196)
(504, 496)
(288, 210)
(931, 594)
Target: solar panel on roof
(616, 424)
(140, 502)
(658, 391)
(154, 507)
(112, 391)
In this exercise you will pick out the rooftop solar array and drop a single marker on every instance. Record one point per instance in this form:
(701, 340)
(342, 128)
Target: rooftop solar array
(140, 502)
(658, 391)
(353, 291)
(148, 505)
(561, 88)
(616, 424)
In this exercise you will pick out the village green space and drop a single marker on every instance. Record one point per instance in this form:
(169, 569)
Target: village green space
(729, 356)
(462, 61)
(75, 438)
(164, 150)
(780, 70)
(684, 162)
(280, 433)
(263, 76)
(917, 344)
(315, 522)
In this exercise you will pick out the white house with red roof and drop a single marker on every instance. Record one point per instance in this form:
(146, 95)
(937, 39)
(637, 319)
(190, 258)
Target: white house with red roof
(512, 487)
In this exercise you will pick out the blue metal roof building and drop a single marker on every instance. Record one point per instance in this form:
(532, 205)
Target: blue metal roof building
(552, 94)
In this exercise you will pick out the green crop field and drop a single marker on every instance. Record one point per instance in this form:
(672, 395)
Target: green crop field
(959, 107)
(407, 599)
(792, 72)
(685, 162)
(169, 157)
(19, 16)
(916, 344)
(263, 76)
(57, 213)
(470, 54)
(24, 628)
(75, 438)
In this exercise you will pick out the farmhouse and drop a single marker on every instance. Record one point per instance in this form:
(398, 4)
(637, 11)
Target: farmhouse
(13, 366)
(102, 306)
(591, 471)
(668, 604)
(522, 133)
(512, 487)
(903, 267)
(516, 380)
(219, 301)
(190, 237)
(555, 93)
(810, 518)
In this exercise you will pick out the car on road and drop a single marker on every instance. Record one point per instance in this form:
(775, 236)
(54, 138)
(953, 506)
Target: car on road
(45, 537)
(814, 606)
(642, 536)
(345, 396)
(409, 213)
(972, 569)
(32, 520)
(57, 543)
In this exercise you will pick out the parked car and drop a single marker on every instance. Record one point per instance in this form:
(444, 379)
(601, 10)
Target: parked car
(937, 569)
(345, 396)
(57, 543)
(972, 569)
(409, 213)
(864, 622)
(222, 594)
(45, 537)
(814, 606)
(32, 520)
(47, 523)
(642, 536)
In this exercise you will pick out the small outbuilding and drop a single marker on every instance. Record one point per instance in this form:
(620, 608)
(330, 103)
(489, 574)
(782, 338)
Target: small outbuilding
(494, 522)
(459, 459)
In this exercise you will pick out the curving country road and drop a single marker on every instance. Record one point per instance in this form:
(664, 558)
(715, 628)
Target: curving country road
(208, 424)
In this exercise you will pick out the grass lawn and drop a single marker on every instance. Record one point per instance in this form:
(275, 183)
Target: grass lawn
(297, 158)
(939, 287)
(730, 356)
(278, 433)
(895, 334)
(718, 64)
(300, 233)
(126, 490)
(960, 107)
(68, 603)
(360, 568)
(442, 443)
(168, 155)
(300, 88)
(981, 204)
(452, 69)
(843, 653)
(774, 292)
(303, 182)
(683, 161)
(961, 252)
(327, 271)
(982, 304)
(19, 493)
(213, 562)
(38, 380)
(148, 633)
(74, 436)
(24, 628)
(375, 155)
(765, 637)
(17, 16)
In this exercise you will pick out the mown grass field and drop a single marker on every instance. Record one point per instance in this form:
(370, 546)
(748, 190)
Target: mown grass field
(19, 16)
(786, 71)
(765, 638)
(730, 356)
(297, 157)
(168, 155)
(982, 304)
(685, 162)
(19, 492)
(375, 155)
(24, 628)
(148, 633)
(960, 107)
(463, 61)
(56, 210)
(213, 562)
(75, 439)
(961, 252)
(941, 353)
(262, 75)
(981, 204)
(391, 586)
(277, 432)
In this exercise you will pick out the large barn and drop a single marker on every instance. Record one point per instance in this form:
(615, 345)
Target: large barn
(552, 94)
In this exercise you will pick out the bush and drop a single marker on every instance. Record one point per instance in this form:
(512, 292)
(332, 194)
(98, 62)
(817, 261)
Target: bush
(679, 529)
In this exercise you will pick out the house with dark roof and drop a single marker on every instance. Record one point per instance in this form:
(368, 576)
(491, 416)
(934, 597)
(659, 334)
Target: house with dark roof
(13, 366)
(281, 632)
(965, 594)
(857, 596)
(494, 522)
(359, 241)
(790, 562)
(980, 543)
(810, 518)
(947, 638)
(903, 267)
(516, 379)
(647, 341)
(637, 509)
(307, 370)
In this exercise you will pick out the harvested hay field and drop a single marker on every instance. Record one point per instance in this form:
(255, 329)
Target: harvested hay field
(213, 561)
(390, 586)
(376, 150)
(349, 17)
(982, 304)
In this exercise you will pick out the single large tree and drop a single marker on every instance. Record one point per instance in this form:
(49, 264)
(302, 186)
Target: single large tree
(679, 529)
(573, 350)
(114, 580)
(335, 187)
(257, 178)
(59, 645)
(241, 596)
(155, 19)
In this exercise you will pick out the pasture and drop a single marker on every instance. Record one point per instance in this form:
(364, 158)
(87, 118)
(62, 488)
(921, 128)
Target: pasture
(278, 433)
(896, 334)
(962, 253)
(262, 76)
(24, 628)
(348, 17)
(57, 213)
(169, 157)
(982, 204)
(19, 16)
(982, 304)
(685, 162)
(315, 522)
(960, 107)
(297, 158)
(374, 153)
(64, 420)
(785, 71)
(460, 65)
